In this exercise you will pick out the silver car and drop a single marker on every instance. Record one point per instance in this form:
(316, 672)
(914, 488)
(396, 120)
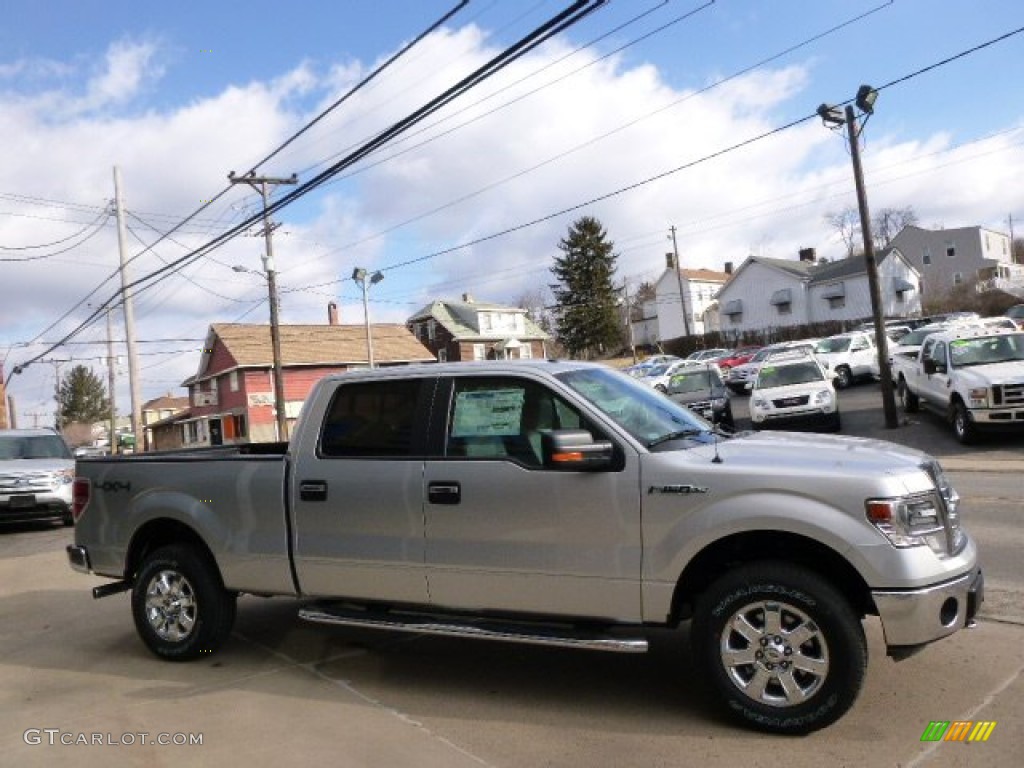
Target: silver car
(36, 473)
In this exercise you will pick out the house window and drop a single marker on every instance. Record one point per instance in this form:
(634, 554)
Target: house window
(431, 329)
(479, 352)
(988, 245)
(784, 309)
(233, 381)
(736, 318)
(837, 302)
(901, 296)
(239, 424)
(926, 256)
(950, 249)
(526, 351)
(442, 355)
(958, 278)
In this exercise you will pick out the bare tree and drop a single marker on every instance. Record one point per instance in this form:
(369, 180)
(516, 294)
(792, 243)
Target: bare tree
(888, 222)
(644, 293)
(846, 224)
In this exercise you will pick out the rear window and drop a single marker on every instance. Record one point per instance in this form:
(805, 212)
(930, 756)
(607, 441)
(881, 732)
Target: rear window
(371, 419)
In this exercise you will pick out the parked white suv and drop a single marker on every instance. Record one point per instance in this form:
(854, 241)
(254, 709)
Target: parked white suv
(847, 355)
(794, 389)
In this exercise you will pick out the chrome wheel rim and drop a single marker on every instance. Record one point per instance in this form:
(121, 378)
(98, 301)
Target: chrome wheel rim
(774, 653)
(170, 606)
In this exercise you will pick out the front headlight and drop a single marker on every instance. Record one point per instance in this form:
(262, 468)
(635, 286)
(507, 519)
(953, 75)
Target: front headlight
(822, 397)
(911, 521)
(759, 402)
(978, 397)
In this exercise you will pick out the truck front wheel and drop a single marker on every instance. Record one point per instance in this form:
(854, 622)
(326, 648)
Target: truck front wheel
(782, 648)
(963, 427)
(179, 603)
(907, 398)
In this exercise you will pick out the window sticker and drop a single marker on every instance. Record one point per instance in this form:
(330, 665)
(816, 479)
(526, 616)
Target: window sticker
(488, 413)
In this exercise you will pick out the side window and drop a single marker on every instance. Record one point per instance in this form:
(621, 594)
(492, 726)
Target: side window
(371, 419)
(504, 418)
(939, 353)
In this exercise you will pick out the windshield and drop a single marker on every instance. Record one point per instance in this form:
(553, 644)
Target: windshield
(699, 380)
(785, 375)
(33, 447)
(835, 344)
(986, 350)
(916, 338)
(644, 413)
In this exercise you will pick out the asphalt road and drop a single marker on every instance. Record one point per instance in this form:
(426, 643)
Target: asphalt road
(283, 692)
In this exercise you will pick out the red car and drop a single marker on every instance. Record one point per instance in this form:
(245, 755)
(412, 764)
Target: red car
(737, 357)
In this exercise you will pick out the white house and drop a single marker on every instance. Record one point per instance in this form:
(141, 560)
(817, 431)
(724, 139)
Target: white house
(769, 293)
(700, 286)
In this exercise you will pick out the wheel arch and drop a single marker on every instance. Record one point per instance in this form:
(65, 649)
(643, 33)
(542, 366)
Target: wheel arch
(163, 532)
(726, 553)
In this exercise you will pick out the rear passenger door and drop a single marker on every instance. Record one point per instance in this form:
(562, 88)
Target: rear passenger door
(357, 500)
(505, 534)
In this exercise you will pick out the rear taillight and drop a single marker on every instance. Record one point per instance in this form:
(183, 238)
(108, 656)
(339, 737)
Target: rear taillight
(80, 493)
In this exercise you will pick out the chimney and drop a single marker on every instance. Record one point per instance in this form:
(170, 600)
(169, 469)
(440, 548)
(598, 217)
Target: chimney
(332, 313)
(670, 260)
(728, 267)
(468, 298)
(807, 254)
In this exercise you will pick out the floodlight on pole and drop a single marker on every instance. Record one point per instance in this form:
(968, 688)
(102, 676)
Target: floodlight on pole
(360, 276)
(866, 98)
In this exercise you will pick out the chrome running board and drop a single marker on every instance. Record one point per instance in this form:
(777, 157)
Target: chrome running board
(472, 627)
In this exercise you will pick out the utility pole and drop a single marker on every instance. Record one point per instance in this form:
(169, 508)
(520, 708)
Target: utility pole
(679, 280)
(260, 183)
(56, 394)
(12, 415)
(111, 385)
(129, 314)
(629, 318)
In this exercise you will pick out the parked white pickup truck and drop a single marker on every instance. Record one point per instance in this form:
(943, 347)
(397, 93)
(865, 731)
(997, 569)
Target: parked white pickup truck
(974, 376)
(546, 502)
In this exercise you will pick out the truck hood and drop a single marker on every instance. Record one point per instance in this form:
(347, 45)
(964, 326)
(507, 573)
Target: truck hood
(819, 454)
(994, 373)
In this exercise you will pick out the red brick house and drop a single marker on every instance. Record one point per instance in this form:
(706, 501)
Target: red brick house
(477, 330)
(232, 394)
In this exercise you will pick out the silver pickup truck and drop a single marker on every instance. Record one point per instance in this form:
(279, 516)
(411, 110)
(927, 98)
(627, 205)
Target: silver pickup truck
(546, 502)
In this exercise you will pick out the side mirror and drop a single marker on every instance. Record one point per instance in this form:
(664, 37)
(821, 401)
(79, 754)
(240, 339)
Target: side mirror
(575, 450)
(929, 366)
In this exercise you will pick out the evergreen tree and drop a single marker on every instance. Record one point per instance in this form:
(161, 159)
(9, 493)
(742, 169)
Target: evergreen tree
(82, 398)
(588, 320)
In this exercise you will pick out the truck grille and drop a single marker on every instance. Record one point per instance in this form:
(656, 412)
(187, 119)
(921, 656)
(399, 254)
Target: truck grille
(790, 402)
(1008, 395)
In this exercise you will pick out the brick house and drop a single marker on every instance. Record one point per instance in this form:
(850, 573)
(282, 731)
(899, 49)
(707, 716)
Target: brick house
(231, 396)
(455, 331)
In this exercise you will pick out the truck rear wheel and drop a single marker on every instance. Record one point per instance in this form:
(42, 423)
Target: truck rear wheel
(179, 603)
(782, 648)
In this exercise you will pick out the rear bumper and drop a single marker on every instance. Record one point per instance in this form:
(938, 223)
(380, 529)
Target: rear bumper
(918, 616)
(78, 558)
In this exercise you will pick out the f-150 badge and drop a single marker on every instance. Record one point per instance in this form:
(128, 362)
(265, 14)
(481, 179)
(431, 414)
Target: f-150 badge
(679, 490)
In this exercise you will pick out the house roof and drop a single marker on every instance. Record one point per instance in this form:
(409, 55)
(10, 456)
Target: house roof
(165, 402)
(851, 267)
(706, 275)
(302, 345)
(460, 319)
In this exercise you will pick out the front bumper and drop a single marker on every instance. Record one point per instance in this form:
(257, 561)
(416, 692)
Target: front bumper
(913, 617)
(30, 507)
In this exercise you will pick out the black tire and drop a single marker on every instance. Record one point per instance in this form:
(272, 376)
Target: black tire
(908, 399)
(179, 603)
(830, 660)
(963, 427)
(844, 377)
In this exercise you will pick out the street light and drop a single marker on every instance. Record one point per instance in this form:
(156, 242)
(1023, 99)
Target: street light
(281, 417)
(831, 115)
(360, 276)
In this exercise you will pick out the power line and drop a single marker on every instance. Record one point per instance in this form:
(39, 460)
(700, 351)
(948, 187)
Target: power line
(96, 226)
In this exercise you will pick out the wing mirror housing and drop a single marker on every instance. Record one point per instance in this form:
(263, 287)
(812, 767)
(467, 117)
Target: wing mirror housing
(575, 450)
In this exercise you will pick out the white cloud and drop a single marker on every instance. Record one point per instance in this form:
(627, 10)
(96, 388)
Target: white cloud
(768, 196)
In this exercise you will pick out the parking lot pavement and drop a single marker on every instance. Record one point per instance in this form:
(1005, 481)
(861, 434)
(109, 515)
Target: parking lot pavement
(282, 689)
